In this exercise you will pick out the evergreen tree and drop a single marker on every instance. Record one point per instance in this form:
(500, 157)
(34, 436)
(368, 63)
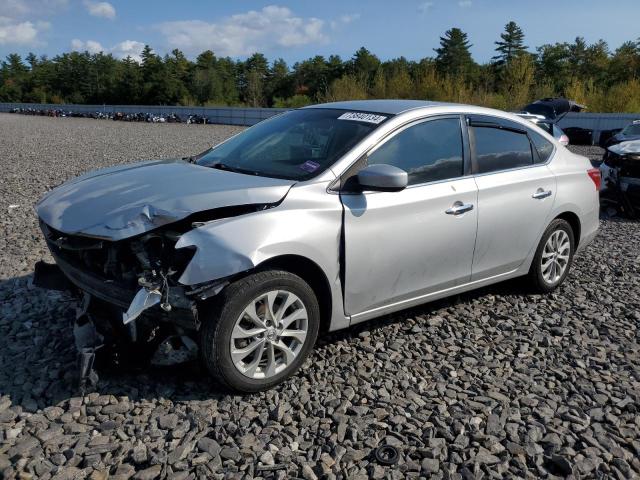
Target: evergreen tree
(364, 65)
(590, 73)
(128, 88)
(453, 55)
(279, 82)
(511, 45)
(154, 86)
(254, 78)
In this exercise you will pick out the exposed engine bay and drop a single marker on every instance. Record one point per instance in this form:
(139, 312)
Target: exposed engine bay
(132, 309)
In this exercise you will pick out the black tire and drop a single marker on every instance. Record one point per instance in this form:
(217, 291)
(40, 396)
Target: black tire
(536, 278)
(219, 318)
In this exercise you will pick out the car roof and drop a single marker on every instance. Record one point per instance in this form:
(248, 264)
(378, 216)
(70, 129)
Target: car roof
(391, 107)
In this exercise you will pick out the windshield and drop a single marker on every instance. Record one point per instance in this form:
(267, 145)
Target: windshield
(297, 145)
(633, 129)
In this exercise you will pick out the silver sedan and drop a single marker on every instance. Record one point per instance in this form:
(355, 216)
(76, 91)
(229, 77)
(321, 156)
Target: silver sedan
(312, 221)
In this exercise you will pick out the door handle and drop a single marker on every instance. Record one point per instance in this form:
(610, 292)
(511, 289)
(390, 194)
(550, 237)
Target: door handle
(459, 208)
(540, 194)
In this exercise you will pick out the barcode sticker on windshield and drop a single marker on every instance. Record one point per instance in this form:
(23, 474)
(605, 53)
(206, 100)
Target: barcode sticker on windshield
(362, 117)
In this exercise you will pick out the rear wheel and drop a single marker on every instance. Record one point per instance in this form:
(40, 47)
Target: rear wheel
(553, 257)
(259, 330)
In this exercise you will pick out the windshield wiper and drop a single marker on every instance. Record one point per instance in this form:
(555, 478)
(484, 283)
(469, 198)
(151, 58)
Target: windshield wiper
(229, 168)
(223, 166)
(195, 158)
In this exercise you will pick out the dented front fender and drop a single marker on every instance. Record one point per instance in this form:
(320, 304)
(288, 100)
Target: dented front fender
(307, 223)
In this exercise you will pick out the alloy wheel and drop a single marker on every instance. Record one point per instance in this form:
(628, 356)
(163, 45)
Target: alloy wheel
(555, 256)
(269, 334)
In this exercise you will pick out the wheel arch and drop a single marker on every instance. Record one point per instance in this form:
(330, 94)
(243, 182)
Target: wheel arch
(311, 273)
(574, 221)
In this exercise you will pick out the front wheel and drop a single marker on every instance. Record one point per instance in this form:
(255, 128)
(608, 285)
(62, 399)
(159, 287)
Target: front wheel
(553, 257)
(259, 330)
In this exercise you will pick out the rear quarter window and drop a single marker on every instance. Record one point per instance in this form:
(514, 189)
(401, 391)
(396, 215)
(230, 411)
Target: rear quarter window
(543, 146)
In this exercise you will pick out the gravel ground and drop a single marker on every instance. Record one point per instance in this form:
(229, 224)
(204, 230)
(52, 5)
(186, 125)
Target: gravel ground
(495, 383)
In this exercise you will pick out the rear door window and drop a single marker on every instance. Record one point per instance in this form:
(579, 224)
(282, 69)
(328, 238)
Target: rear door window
(501, 149)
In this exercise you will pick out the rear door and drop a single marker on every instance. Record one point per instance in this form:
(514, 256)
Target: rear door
(516, 190)
(402, 245)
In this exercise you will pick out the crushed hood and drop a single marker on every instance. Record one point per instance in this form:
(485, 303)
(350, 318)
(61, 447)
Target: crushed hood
(120, 202)
(625, 148)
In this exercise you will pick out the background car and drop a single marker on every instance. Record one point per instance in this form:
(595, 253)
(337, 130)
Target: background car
(553, 108)
(579, 135)
(620, 173)
(630, 132)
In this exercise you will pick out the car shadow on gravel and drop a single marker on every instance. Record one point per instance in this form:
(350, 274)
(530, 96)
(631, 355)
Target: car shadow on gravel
(38, 356)
(515, 286)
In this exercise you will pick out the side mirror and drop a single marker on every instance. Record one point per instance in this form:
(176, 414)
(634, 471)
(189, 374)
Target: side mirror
(382, 178)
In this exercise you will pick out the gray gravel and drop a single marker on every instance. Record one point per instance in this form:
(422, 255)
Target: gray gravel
(496, 383)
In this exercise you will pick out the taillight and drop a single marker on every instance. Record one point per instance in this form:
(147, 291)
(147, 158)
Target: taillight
(594, 174)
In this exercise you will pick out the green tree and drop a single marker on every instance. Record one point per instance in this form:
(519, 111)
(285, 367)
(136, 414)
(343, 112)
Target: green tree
(348, 87)
(379, 87)
(511, 44)
(155, 85)
(178, 77)
(517, 80)
(280, 83)
(206, 85)
(625, 62)
(254, 77)
(13, 74)
(453, 55)
(553, 65)
(128, 87)
(364, 65)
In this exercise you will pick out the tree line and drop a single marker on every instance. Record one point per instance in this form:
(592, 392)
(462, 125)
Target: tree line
(592, 74)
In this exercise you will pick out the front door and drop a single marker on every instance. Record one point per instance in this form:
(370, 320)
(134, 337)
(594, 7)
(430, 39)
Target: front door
(402, 245)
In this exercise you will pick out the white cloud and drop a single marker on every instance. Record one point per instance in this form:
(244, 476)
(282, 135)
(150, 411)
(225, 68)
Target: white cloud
(465, 3)
(18, 20)
(128, 48)
(100, 9)
(14, 32)
(424, 7)
(90, 46)
(245, 33)
(345, 20)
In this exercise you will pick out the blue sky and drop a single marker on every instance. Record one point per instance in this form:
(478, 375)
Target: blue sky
(297, 30)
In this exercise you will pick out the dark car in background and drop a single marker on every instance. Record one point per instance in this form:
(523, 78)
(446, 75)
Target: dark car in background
(553, 108)
(547, 112)
(630, 132)
(579, 135)
(620, 171)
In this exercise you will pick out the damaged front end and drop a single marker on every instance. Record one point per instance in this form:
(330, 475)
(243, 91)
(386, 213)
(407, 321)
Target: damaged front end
(620, 171)
(133, 308)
